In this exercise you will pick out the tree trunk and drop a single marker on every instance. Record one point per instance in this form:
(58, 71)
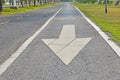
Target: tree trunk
(34, 2)
(0, 5)
(116, 2)
(29, 2)
(45, 2)
(40, 1)
(21, 1)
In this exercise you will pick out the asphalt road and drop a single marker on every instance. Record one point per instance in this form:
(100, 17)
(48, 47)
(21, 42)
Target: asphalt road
(96, 61)
(15, 29)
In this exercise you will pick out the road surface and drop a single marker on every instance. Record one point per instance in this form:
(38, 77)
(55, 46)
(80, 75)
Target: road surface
(68, 47)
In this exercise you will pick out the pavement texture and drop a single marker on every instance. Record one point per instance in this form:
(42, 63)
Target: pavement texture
(19, 27)
(96, 61)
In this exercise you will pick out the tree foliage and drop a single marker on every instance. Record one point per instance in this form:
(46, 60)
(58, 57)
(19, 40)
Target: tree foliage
(87, 1)
(116, 2)
(22, 3)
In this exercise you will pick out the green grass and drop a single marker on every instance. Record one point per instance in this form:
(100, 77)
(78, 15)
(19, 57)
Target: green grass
(7, 11)
(109, 23)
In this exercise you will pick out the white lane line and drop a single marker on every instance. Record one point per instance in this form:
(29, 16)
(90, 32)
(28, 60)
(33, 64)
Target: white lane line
(105, 37)
(14, 56)
(5, 22)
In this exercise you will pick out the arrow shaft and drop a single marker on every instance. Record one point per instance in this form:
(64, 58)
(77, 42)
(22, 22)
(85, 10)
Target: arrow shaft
(68, 32)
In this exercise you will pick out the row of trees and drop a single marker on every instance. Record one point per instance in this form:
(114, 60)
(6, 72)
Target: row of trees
(22, 3)
(0, 5)
(115, 2)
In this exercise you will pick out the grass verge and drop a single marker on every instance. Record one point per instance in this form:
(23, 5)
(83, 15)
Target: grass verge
(7, 11)
(109, 23)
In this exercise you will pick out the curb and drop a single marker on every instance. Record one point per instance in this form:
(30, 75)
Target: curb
(113, 45)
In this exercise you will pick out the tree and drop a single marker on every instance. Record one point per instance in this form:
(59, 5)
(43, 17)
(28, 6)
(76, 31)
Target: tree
(0, 5)
(45, 1)
(40, 1)
(34, 2)
(29, 1)
(116, 2)
(21, 1)
(92, 1)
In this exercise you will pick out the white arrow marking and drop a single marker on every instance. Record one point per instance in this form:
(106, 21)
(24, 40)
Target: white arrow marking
(67, 46)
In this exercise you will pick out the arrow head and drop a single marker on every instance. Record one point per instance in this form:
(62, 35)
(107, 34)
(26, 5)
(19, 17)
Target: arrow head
(66, 52)
(67, 46)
